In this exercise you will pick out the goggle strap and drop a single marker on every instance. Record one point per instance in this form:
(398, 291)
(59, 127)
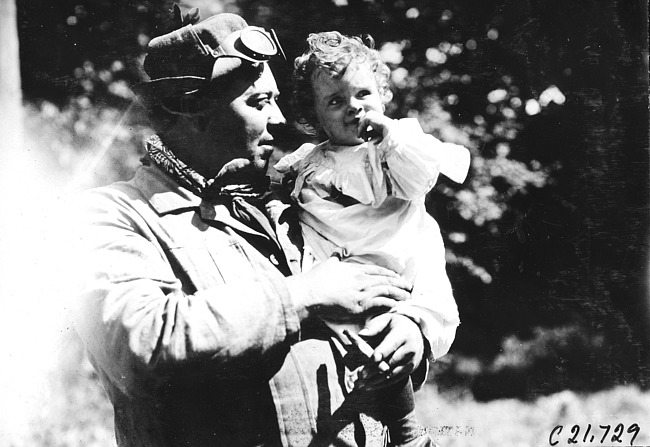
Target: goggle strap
(277, 43)
(205, 49)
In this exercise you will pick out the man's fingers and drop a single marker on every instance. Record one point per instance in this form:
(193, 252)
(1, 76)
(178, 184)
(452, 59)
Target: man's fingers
(388, 291)
(375, 326)
(379, 302)
(393, 279)
(401, 283)
(369, 269)
(380, 275)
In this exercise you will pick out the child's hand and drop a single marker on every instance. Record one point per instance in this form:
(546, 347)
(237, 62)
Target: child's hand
(402, 348)
(374, 126)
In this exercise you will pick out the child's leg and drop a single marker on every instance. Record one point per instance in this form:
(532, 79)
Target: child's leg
(396, 401)
(397, 412)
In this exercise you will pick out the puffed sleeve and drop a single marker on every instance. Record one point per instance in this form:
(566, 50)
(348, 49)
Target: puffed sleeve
(407, 162)
(432, 305)
(292, 161)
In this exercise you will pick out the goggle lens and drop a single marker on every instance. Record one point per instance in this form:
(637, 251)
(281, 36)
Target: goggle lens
(258, 41)
(252, 43)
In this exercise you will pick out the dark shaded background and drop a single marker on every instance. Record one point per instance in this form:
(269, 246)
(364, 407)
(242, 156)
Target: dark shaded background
(547, 240)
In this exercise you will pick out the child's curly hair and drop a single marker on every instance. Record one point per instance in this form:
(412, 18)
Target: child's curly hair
(333, 53)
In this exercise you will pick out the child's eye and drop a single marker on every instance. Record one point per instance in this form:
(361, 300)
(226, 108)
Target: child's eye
(363, 93)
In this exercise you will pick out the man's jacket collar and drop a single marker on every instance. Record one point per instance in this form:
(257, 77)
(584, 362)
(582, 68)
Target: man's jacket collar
(162, 192)
(167, 197)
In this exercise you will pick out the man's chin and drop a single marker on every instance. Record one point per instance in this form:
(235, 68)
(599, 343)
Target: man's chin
(244, 168)
(256, 167)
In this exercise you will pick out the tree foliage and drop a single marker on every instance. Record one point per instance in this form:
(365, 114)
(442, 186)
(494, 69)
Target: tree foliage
(547, 240)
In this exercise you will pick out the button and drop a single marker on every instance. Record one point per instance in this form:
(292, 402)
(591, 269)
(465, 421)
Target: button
(274, 260)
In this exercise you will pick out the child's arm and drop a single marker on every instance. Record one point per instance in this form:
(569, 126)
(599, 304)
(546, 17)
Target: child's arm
(406, 161)
(432, 310)
(432, 304)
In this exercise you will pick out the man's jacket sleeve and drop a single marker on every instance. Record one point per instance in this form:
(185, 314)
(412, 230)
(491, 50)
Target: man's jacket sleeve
(140, 327)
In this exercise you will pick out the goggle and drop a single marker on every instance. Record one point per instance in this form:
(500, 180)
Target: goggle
(252, 43)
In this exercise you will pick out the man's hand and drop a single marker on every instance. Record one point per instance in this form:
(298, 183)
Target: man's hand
(402, 348)
(339, 291)
(374, 126)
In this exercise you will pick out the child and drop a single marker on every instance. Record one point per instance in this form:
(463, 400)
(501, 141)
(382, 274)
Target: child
(361, 194)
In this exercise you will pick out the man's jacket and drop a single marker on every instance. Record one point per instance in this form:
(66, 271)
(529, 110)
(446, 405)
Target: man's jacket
(186, 316)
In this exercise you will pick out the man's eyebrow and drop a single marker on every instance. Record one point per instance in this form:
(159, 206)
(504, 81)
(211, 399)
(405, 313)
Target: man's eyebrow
(267, 94)
(260, 95)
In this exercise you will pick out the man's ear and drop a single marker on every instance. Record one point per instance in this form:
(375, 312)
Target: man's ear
(189, 104)
(198, 121)
(193, 109)
(201, 122)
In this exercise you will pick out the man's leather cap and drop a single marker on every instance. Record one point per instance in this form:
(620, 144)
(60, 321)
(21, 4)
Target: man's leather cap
(183, 61)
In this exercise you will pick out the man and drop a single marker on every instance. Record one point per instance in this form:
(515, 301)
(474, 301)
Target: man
(199, 331)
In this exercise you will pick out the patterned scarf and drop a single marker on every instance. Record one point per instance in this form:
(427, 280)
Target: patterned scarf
(242, 200)
(188, 178)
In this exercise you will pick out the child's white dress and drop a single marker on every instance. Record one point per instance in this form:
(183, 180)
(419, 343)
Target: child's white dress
(365, 203)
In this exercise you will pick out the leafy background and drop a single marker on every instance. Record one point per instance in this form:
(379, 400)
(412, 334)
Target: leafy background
(547, 241)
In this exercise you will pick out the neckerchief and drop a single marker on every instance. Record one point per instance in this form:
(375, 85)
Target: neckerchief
(188, 178)
(242, 200)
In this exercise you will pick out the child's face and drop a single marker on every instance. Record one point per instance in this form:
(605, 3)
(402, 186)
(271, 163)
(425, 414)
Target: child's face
(340, 103)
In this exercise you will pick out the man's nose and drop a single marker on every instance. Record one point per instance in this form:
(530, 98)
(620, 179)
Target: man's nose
(276, 116)
(276, 125)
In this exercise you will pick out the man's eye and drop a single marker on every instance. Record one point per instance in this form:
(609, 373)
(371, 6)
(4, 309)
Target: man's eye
(262, 101)
(335, 101)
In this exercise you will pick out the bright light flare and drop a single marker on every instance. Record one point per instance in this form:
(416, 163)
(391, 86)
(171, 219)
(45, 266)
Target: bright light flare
(32, 294)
